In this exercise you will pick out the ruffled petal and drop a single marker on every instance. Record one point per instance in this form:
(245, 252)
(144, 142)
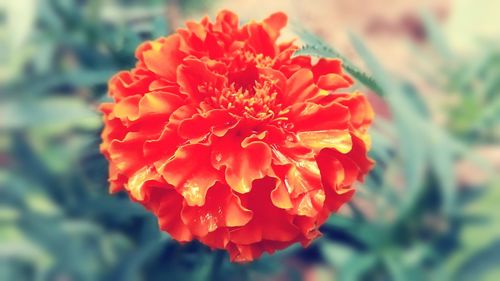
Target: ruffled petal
(274, 23)
(300, 87)
(340, 171)
(126, 107)
(158, 102)
(337, 177)
(333, 68)
(139, 179)
(222, 209)
(268, 222)
(361, 111)
(217, 122)
(226, 22)
(280, 196)
(243, 162)
(302, 180)
(163, 56)
(333, 82)
(164, 146)
(114, 129)
(128, 83)
(166, 204)
(259, 40)
(190, 172)
(317, 140)
(196, 80)
(315, 117)
(127, 154)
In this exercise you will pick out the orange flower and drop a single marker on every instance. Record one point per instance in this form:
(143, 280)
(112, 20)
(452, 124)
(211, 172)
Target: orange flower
(230, 140)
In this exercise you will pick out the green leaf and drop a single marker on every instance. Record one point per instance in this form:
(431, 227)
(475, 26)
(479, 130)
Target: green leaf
(479, 264)
(315, 46)
(442, 163)
(435, 34)
(411, 137)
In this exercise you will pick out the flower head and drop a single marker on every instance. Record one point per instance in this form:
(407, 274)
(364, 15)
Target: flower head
(229, 139)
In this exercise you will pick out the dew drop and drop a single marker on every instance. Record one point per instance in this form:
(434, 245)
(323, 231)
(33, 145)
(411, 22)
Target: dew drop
(192, 192)
(211, 221)
(218, 157)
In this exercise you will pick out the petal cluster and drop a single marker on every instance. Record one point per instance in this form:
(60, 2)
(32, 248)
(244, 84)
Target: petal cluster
(230, 140)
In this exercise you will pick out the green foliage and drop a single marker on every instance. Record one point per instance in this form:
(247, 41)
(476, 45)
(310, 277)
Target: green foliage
(425, 154)
(57, 221)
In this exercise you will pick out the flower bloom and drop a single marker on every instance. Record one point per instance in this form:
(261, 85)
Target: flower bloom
(230, 140)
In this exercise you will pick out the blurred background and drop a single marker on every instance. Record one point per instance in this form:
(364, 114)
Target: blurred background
(429, 211)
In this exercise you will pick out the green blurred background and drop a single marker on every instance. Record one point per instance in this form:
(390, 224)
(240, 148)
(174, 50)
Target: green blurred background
(429, 210)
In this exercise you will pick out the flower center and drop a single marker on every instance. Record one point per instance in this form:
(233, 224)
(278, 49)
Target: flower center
(250, 94)
(258, 99)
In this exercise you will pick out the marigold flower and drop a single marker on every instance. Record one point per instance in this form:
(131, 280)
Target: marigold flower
(230, 140)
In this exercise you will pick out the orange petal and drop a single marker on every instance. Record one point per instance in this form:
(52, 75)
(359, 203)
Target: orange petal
(280, 197)
(217, 239)
(222, 209)
(317, 140)
(259, 40)
(243, 253)
(333, 82)
(164, 57)
(197, 29)
(163, 147)
(158, 103)
(338, 173)
(300, 87)
(126, 107)
(180, 114)
(215, 121)
(226, 22)
(309, 227)
(116, 179)
(359, 155)
(314, 117)
(166, 204)
(127, 83)
(113, 129)
(137, 181)
(244, 164)
(361, 111)
(269, 222)
(327, 66)
(194, 75)
(190, 172)
(274, 23)
(303, 184)
(127, 154)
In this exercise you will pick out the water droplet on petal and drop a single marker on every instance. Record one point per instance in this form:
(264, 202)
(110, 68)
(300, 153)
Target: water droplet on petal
(192, 192)
(211, 221)
(218, 157)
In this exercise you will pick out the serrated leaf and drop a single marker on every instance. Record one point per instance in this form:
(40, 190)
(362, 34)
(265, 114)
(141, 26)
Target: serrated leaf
(327, 52)
(315, 46)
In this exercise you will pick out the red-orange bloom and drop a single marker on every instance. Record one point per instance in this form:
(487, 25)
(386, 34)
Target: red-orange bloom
(229, 139)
